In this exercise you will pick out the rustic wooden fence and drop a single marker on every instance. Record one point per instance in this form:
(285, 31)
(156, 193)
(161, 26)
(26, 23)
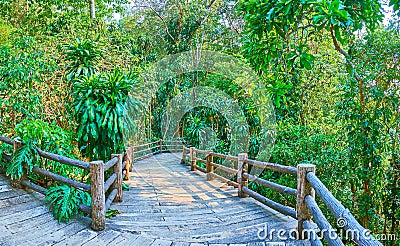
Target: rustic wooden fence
(143, 151)
(97, 188)
(308, 184)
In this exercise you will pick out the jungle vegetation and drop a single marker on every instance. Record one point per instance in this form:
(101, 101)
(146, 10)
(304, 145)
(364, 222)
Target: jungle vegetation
(331, 68)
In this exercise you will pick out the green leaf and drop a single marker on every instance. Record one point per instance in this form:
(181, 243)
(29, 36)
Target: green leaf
(65, 201)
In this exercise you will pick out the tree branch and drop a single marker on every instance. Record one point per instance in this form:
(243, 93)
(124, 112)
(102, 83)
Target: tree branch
(350, 63)
(162, 19)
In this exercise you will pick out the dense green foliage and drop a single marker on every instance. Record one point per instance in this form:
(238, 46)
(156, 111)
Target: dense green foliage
(357, 143)
(99, 108)
(65, 201)
(82, 55)
(48, 137)
(330, 66)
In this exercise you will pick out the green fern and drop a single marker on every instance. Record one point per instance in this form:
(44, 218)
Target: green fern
(65, 201)
(26, 155)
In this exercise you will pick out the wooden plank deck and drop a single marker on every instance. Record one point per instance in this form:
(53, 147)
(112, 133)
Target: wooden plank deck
(167, 205)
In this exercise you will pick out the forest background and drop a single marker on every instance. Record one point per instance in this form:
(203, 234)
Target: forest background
(330, 67)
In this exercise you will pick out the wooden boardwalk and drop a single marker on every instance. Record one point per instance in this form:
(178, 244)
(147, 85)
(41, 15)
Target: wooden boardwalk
(166, 205)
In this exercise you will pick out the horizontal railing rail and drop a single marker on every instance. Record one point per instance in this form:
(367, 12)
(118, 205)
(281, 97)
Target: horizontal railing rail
(97, 187)
(343, 215)
(142, 151)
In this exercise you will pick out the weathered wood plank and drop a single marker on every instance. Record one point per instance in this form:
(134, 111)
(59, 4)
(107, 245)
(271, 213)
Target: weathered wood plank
(161, 242)
(79, 238)
(103, 238)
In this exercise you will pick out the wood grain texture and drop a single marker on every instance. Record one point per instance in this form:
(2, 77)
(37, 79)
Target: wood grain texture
(304, 189)
(329, 233)
(98, 195)
(341, 213)
(241, 180)
(118, 182)
(62, 179)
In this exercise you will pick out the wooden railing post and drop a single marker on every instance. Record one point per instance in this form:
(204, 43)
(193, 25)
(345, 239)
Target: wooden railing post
(98, 195)
(209, 166)
(130, 157)
(118, 182)
(192, 159)
(160, 144)
(303, 189)
(128, 162)
(17, 183)
(183, 161)
(242, 168)
(133, 159)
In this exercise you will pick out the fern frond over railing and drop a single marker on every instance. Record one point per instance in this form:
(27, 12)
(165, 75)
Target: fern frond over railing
(97, 188)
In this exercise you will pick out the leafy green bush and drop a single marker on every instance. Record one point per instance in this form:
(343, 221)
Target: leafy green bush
(83, 56)
(305, 144)
(48, 137)
(65, 201)
(22, 69)
(5, 31)
(99, 108)
(6, 149)
(26, 156)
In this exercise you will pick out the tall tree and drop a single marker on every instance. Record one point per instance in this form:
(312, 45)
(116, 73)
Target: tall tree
(92, 9)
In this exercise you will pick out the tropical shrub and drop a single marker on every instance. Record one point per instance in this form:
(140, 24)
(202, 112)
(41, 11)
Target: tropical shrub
(65, 201)
(21, 71)
(25, 157)
(48, 137)
(5, 31)
(83, 56)
(99, 108)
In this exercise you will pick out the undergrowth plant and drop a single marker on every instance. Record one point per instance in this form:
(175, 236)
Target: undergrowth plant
(48, 137)
(83, 56)
(25, 156)
(99, 108)
(65, 201)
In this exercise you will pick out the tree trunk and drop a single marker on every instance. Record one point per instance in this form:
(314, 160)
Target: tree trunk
(366, 183)
(92, 9)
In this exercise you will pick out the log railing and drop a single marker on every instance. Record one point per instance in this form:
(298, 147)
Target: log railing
(143, 151)
(308, 184)
(97, 188)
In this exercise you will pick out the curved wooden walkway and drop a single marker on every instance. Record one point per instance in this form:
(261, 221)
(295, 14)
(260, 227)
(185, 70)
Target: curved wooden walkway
(166, 205)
